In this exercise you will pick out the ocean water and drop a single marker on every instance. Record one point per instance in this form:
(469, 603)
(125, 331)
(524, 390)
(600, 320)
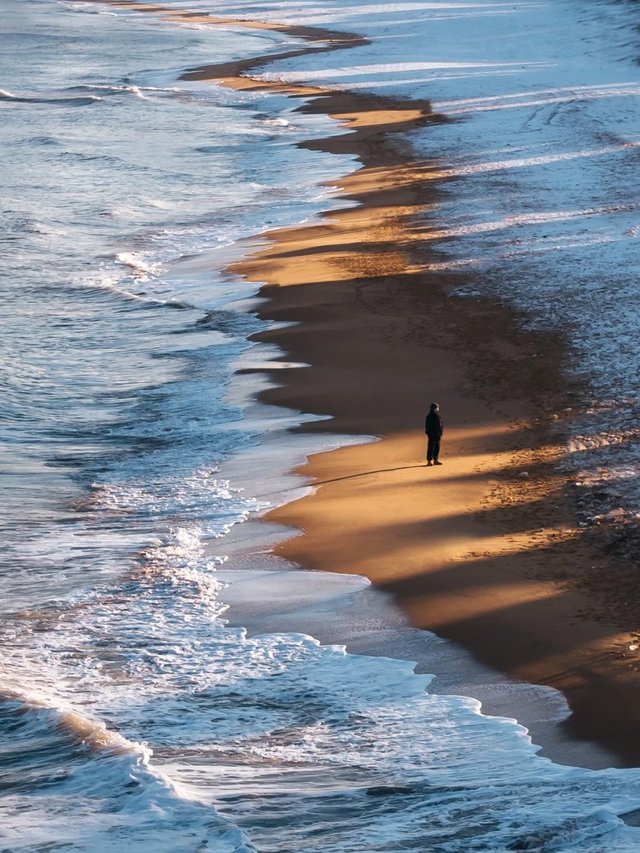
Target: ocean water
(133, 713)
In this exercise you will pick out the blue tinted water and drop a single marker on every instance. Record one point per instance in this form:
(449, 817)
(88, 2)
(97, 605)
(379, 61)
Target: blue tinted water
(132, 714)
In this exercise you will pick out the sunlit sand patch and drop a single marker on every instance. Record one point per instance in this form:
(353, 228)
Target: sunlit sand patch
(379, 117)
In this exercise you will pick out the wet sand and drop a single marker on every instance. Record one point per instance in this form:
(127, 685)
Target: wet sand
(484, 550)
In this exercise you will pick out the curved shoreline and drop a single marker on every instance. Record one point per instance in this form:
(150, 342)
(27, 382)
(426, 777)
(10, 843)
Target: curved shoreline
(475, 551)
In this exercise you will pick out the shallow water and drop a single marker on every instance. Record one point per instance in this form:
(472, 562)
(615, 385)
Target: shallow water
(133, 712)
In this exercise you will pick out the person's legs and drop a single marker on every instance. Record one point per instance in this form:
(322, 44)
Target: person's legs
(430, 455)
(436, 451)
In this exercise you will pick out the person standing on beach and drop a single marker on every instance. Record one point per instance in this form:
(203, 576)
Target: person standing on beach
(434, 428)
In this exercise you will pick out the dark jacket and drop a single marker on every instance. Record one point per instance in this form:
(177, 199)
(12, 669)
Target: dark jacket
(433, 425)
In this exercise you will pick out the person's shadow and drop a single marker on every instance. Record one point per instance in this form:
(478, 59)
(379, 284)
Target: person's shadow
(367, 474)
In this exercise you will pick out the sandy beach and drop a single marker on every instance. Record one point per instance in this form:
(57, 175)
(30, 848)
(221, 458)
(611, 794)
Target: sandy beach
(485, 550)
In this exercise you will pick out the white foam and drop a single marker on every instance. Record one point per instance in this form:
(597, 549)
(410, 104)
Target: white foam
(281, 704)
(141, 268)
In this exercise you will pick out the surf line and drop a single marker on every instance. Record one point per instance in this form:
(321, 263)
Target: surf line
(476, 552)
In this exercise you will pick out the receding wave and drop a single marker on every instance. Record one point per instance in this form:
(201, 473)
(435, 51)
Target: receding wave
(80, 101)
(107, 90)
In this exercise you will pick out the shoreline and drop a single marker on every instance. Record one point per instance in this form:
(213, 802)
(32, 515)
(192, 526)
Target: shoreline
(486, 550)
